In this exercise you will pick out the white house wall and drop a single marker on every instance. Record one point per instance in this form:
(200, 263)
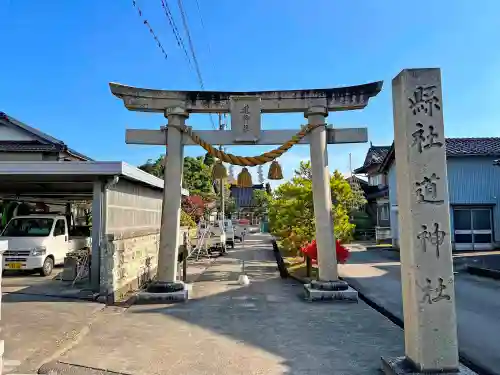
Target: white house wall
(21, 156)
(11, 134)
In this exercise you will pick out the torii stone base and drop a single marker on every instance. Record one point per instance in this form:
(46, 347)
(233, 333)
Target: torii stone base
(402, 366)
(330, 291)
(163, 293)
(159, 292)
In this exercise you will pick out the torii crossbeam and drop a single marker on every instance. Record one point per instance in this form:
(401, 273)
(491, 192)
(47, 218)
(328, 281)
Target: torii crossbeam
(245, 109)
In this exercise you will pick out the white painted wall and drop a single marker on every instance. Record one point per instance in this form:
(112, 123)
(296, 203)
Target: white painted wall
(133, 207)
(11, 134)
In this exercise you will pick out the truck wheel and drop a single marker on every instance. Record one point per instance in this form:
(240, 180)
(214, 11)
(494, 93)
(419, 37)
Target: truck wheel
(232, 245)
(48, 266)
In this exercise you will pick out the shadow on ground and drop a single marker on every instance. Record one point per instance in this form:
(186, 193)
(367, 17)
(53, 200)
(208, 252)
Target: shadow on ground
(377, 274)
(263, 328)
(15, 283)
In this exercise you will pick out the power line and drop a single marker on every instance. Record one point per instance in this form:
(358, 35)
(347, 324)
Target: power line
(145, 22)
(209, 50)
(175, 30)
(203, 26)
(193, 53)
(191, 46)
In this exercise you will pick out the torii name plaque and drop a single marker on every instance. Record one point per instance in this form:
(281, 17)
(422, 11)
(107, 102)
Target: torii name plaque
(245, 118)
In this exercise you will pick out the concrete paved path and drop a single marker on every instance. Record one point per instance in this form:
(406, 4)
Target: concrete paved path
(40, 320)
(263, 328)
(35, 328)
(376, 273)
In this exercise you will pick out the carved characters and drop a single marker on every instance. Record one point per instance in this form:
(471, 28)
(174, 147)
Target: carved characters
(433, 237)
(246, 116)
(426, 137)
(431, 294)
(425, 141)
(424, 100)
(426, 190)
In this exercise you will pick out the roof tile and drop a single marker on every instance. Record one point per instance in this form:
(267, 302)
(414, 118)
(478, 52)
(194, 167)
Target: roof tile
(473, 146)
(375, 155)
(459, 147)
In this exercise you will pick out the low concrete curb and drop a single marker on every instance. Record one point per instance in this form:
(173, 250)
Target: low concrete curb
(484, 272)
(279, 260)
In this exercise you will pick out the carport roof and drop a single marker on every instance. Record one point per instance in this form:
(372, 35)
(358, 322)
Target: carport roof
(68, 179)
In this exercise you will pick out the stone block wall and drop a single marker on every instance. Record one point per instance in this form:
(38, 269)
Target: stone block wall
(128, 261)
(129, 252)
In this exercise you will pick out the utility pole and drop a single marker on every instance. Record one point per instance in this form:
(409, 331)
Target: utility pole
(222, 203)
(350, 164)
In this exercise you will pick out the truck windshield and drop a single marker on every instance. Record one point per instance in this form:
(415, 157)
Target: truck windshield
(28, 227)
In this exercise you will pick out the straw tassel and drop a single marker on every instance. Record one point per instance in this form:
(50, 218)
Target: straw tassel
(275, 171)
(244, 178)
(219, 171)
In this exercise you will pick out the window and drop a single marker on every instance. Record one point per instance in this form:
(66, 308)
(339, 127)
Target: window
(472, 228)
(60, 228)
(376, 180)
(384, 212)
(28, 227)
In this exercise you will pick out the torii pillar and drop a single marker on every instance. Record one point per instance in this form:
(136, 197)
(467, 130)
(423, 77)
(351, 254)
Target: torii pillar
(246, 109)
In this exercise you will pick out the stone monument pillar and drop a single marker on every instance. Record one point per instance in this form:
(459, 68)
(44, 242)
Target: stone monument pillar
(424, 226)
(328, 286)
(167, 282)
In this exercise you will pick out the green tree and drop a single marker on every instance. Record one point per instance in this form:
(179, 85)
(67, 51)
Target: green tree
(229, 201)
(155, 167)
(209, 160)
(291, 211)
(197, 177)
(261, 201)
(186, 220)
(304, 170)
(268, 188)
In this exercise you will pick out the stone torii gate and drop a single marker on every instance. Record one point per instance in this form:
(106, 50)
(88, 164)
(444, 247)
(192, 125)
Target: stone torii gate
(245, 109)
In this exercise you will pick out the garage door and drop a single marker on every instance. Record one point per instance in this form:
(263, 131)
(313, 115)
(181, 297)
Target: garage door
(473, 228)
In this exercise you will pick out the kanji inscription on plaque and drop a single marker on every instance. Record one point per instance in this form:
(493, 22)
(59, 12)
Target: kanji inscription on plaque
(245, 118)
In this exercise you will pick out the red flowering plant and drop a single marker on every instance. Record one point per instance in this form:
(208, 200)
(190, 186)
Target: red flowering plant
(311, 251)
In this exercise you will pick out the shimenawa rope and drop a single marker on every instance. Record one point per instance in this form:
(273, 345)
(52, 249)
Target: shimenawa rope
(248, 161)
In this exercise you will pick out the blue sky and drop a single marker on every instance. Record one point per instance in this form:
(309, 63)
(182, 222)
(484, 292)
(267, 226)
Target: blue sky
(60, 55)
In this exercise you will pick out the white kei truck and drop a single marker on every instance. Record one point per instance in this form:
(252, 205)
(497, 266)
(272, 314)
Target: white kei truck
(212, 238)
(39, 242)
